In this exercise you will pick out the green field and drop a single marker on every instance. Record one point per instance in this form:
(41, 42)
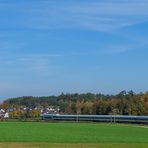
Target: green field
(37, 134)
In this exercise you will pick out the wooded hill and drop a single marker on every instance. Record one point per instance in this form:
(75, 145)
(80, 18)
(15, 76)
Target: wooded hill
(124, 103)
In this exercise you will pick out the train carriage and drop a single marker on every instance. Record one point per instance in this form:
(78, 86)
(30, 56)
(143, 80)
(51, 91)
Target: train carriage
(97, 118)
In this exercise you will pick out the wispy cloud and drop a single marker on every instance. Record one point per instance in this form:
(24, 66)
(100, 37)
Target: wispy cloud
(136, 43)
(36, 63)
(105, 15)
(40, 63)
(117, 49)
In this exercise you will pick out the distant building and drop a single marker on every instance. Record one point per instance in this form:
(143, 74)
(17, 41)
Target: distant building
(6, 115)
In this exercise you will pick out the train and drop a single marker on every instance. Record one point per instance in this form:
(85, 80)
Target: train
(96, 118)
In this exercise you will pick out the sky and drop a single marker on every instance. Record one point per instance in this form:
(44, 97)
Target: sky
(73, 46)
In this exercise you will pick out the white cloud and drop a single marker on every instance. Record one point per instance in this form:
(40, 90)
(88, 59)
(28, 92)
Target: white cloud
(97, 15)
(34, 63)
(120, 49)
(136, 43)
(40, 63)
(101, 16)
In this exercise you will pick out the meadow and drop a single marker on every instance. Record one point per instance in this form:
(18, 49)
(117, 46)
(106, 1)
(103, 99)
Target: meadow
(44, 134)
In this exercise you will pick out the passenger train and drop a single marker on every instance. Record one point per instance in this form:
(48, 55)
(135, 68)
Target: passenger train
(96, 118)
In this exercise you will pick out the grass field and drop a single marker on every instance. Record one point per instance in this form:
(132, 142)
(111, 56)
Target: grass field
(37, 134)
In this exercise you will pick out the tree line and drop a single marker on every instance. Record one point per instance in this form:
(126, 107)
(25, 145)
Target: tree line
(123, 103)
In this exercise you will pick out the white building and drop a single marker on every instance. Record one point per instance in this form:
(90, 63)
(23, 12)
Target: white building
(6, 115)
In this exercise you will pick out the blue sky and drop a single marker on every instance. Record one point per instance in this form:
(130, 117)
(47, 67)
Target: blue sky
(53, 46)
